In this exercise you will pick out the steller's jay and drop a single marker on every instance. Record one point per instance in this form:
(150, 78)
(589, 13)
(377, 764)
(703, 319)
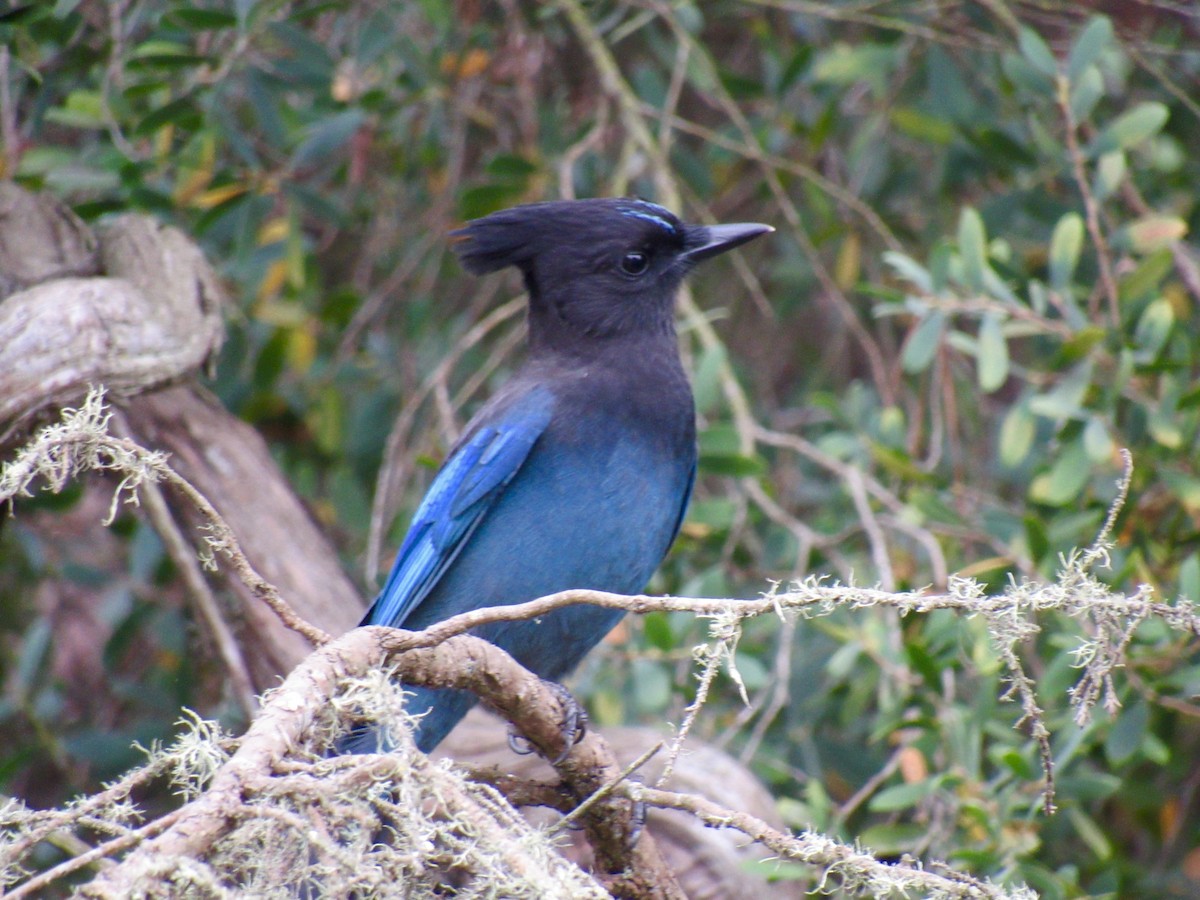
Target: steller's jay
(576, 474)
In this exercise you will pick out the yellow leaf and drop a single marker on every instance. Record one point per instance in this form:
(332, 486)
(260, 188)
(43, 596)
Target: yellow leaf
(849, 262)
(274, 280)
(301, 348)
(470, 64)
(273, 231)
(195, 178)
(218, 195)
(1153, 232)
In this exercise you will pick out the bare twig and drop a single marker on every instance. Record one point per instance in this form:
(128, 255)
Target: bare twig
(856, 870)
(1091, 207)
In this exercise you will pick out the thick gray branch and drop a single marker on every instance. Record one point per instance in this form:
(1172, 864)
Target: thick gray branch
(133, 307)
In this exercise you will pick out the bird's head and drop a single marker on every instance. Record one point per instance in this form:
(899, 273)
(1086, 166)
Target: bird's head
(596, 268)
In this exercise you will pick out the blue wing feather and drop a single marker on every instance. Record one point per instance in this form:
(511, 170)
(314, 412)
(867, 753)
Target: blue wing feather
(466, 487)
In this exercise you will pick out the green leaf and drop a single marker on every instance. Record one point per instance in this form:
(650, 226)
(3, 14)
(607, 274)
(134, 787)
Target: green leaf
(1110, 172)
(715, 513)
(1036, 537)
(1097, 442)
(1131, 128)
(1017, 432)
(1164, 425)
(1127, 733)
(657, 628)
(736, 465)
(1025, 76)
(1147, 277)
(1019, 764)
(904, 796)
(1186, 489)
(328, 136)
(890, 840)
(1189, 578)
(1089, 786)
(478, 201)
(923, 126)
(81, 109)
(1065, 400)
(706, 382)
(511, 166)
(1090, 833)
(1086, 93)
(203, 19)
(1091, 43)
(972, 247)
(992, 360)
(181, 111)
(1153, 328)
(1065, 246)
(148, 62)
(909, 269)
(923, 343)
(653, 680)
(34, 650)
(1036, 51)
(1066, 477)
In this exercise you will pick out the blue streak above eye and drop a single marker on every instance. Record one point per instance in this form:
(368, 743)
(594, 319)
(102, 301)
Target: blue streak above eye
(651, 212)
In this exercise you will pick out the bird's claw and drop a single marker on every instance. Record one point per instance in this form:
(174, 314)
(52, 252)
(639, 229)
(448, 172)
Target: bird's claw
(518, 743)
(575, 720)
(573, 727)
(637, 823)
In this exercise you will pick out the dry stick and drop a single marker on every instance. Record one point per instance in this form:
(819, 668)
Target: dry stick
(857, 867)
(96, 854)
(567, 820)
(1090, 207)
(570, 156)
(184, 556)
(222, 538)
(240, 685)
(781, 673)
(875, 536)
(57, 820)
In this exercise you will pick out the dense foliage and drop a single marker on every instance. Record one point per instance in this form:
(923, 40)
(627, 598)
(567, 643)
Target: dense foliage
(980, 290)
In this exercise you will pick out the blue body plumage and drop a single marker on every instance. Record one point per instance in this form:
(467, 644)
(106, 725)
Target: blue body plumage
(578, 472)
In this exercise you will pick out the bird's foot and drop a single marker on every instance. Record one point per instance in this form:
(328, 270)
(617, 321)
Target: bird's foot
(573, 726)
(637, 823)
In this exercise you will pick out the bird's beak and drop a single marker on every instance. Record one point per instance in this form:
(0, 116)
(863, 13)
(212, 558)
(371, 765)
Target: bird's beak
(719, 238)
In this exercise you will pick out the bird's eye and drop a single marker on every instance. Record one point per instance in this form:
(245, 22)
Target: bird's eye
(635, 262)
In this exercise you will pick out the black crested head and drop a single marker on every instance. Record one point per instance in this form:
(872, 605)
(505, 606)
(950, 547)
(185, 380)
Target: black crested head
(595, 268)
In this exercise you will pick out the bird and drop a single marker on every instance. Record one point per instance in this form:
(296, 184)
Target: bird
(577, 472)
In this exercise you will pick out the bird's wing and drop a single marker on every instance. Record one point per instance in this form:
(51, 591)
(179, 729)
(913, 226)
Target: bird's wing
(466, 487)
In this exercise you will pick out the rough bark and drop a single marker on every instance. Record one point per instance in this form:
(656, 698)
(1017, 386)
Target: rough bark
(153, 316)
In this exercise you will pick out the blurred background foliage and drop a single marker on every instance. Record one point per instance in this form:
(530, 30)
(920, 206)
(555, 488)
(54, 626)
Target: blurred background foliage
(982, 286)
